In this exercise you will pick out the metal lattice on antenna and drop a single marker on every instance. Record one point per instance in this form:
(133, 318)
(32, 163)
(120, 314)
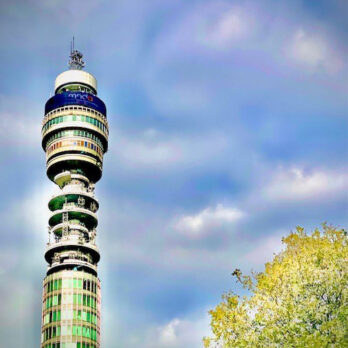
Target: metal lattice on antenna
(76, 62)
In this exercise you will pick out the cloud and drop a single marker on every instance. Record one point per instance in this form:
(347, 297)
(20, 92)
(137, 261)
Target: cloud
(195, 225)
(168, 333)
(220, 105)
(31, 210)
(227, 26)
(313, 52)
(266, 248)
(77, 11)
(151, 148)
(206, 27)
(24, 233)
(182, 333)
(295, 185)
(176, 333)
(18, 126)
(34, 209)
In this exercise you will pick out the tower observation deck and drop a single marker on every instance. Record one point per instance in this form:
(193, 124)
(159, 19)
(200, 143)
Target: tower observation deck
(75, 138)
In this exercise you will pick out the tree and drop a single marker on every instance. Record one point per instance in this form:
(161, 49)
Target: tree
(300, 300)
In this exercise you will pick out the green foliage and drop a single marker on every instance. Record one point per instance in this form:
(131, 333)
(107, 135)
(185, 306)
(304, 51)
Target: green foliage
(300, 300)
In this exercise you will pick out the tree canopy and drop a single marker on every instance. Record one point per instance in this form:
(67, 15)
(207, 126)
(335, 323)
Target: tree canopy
(299, 300)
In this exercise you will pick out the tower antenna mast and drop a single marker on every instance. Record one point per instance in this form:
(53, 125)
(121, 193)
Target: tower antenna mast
(76, 62)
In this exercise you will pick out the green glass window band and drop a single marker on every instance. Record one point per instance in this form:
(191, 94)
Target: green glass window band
(81, 118)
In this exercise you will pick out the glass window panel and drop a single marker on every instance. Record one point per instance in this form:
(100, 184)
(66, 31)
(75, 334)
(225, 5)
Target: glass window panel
(65, 283)
(67, 314)
(64, 330)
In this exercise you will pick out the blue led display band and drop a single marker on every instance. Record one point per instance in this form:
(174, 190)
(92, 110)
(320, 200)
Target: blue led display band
(75, 98)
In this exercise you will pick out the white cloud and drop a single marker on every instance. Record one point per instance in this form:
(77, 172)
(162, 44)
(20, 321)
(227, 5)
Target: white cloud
(18, 126)
(152, 148)
(217, 26)
(230, 26)
(31, 210)
(265, 250)
(77, 11)
(18, 131)
(177, 333)
(34, 208)
(180, 333)
(168, 333)
(294, 184)
(313, 52)
(195, 225)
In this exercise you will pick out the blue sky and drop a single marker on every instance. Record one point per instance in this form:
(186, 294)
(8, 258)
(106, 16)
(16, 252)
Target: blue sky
(228, 128)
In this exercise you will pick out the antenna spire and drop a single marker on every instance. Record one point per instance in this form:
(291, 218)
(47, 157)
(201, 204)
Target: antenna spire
(76, 62)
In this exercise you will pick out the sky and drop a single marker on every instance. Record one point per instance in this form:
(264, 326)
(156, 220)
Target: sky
(228, 128)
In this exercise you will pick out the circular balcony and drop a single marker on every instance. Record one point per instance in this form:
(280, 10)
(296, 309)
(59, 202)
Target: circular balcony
(64, 181)
(88, 218)
(70, 246)
(57, 202)
(75, 163)
(58, 229)
(71, 264)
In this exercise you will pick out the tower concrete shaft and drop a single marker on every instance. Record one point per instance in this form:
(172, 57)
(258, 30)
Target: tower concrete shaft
(75, 138)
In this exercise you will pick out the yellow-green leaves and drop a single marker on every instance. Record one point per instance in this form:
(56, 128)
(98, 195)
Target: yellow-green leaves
(300, 300)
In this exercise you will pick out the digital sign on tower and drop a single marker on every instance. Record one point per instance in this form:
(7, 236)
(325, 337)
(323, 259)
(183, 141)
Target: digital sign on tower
(75, 98)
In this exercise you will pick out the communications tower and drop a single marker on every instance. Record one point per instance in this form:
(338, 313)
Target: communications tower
(75, 138)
